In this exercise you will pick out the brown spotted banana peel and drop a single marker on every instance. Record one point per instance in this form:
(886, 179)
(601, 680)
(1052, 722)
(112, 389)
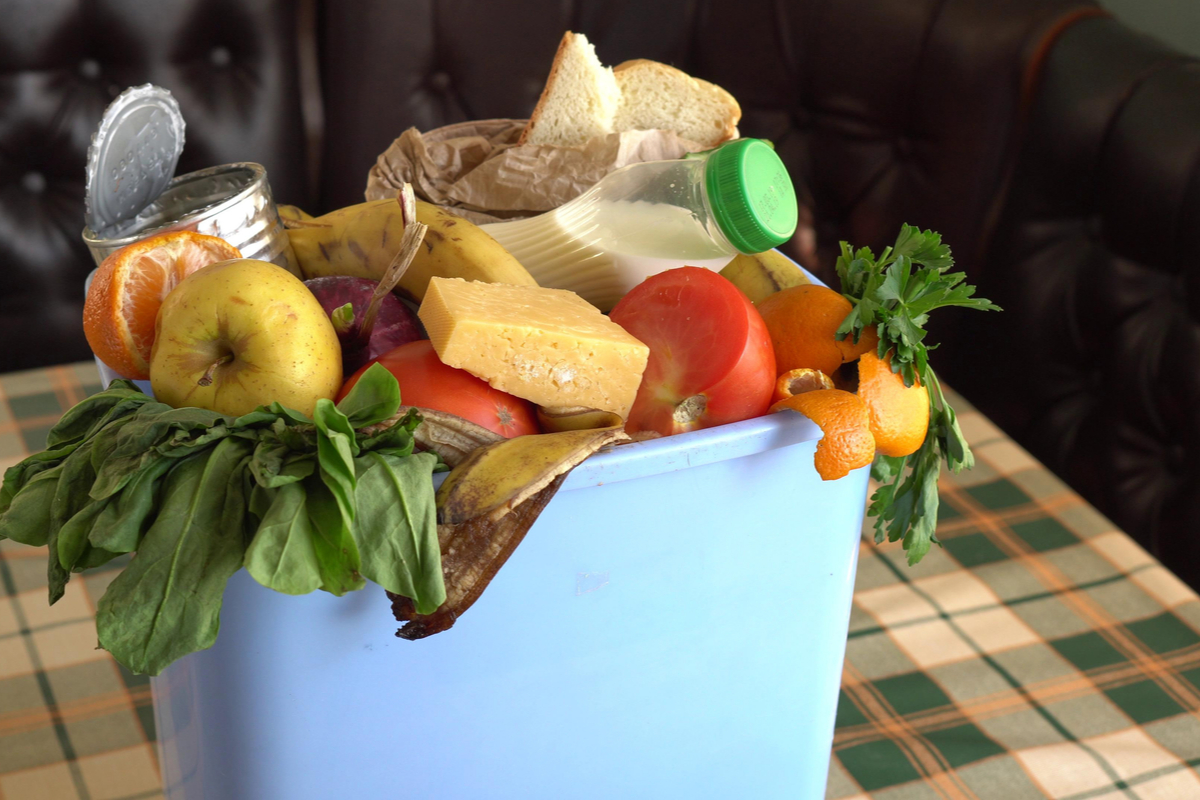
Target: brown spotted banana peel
(293, 214)
(495, 479)
(763, 274)
(575, 418)
(487, 505)
(472, 553)
(360, 241)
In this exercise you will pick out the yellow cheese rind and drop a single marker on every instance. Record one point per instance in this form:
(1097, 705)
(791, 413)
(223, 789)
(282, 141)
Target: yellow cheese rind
(549, 346)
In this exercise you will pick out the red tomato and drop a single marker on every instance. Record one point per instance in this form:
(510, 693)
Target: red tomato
(711, 360)
(428, 383)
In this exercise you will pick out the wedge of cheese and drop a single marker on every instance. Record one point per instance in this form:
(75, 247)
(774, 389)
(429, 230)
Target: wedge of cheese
(549, 346)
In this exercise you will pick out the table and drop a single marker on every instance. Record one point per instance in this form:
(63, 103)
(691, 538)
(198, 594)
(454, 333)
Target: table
(1041, 653)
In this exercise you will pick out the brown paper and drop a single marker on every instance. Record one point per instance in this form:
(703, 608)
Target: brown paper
(477, 170)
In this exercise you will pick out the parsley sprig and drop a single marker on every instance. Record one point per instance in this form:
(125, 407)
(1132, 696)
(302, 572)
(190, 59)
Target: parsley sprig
(895, 293)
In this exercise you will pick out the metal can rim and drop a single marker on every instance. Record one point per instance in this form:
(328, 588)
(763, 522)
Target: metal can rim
(257, 178)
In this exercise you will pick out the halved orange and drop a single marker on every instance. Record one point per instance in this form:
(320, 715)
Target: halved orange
(899, 413)
(130, 285)
(843, 418)
(802, 321)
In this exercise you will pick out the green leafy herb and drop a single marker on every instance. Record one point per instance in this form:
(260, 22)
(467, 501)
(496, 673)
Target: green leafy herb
(373, 399)
(196, 494)
(399, 539)
(27, 516)
(126, 518)
(331, 503)
(895, 294)
(281, 556)
(167, 602)
(333, 539)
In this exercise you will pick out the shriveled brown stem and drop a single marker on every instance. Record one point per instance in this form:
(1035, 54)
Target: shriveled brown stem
(414, 233)
(207, 378)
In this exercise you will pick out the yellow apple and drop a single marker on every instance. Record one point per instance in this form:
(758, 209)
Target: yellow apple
(243, 333)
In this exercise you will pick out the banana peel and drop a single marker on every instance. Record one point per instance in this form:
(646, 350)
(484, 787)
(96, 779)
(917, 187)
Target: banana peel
(495, 479)
(292, 214)
(763, 274)
(360, 241)
(450, 436)
(472, 553)
(554, 419)
(487, 504)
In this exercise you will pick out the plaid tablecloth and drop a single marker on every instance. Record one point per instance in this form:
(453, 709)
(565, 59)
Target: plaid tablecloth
(1042, 653)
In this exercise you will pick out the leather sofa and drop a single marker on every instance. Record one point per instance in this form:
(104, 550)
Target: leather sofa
(1056, 150)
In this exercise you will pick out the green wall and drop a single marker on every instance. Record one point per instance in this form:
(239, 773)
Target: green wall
(1176, 22)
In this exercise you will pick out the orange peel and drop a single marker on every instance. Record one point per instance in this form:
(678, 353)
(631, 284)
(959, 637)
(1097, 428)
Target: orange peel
(129, 287)
(799, 381)
(846, 423)
(899, 414)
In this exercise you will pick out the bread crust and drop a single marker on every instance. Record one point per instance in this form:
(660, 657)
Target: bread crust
(559, 55)
(734, 110)
(724, 98)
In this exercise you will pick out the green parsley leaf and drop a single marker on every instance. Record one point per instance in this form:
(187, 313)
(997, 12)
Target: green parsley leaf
(895, 294)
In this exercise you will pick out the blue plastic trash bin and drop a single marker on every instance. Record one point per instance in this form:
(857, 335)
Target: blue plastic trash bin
(673, 626)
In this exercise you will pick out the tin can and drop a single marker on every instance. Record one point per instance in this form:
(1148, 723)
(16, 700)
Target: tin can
(232, 201)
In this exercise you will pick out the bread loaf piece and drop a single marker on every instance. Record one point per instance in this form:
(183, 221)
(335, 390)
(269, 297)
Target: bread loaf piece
(657, 96)
(583, 99)
(579, 100)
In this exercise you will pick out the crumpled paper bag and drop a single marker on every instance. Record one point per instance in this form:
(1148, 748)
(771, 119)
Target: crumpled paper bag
(477, 170)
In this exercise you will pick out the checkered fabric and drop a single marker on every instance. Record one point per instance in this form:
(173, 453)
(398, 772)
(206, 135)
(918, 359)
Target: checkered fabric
(1041, 653)
(74, 724)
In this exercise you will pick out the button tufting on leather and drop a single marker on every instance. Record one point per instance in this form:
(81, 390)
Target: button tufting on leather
(1177, 458)
(440, 81)
(34, 182)
(89, 69)
(220, 56)
(1101, 309)
(904, 147)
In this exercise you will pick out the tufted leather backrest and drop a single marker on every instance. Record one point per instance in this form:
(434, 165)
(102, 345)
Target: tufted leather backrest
(1095, 364)
(230, 63)
(885, 111)
(456, 60)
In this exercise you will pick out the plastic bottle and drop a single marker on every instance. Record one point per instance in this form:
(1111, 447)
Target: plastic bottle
(646, 218)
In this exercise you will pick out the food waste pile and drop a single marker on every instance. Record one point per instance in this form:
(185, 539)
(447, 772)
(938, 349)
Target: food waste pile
(298, 416)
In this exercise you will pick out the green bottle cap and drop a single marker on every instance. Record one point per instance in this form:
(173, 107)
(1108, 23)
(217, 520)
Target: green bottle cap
(751, 195)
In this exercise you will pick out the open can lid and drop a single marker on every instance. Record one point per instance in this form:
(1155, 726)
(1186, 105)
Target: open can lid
(133, 155)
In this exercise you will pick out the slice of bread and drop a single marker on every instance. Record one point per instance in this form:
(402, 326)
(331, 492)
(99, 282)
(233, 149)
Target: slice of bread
(580, 98)
(657, 96)
(584, 99)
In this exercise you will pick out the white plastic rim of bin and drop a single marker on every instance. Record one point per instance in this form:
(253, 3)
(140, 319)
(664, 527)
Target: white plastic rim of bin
(673, 626)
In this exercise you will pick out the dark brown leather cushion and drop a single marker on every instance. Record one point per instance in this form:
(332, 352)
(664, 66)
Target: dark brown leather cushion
(1094, 365)
(231, 65)
(887, 112)
(456, 60)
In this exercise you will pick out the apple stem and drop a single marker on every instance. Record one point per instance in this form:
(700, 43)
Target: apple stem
(207, 378)
(414, 233)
